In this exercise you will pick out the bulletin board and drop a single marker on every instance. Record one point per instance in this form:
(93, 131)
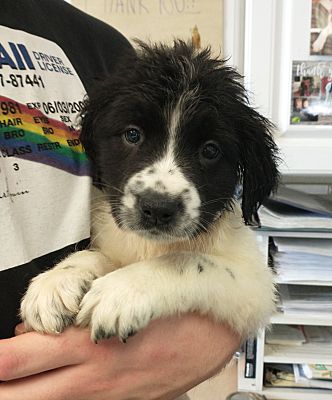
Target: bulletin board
(162, 20)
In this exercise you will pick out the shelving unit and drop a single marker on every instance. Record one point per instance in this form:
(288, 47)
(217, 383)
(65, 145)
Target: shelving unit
(307, 353)
(279, 29)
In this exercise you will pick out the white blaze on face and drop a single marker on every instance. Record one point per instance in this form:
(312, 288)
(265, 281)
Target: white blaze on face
(165, 176)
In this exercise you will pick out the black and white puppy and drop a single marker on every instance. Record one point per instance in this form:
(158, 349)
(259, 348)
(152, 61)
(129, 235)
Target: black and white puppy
(171, 138)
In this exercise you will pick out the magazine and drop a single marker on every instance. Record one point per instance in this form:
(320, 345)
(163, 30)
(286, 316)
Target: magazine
(311, 100)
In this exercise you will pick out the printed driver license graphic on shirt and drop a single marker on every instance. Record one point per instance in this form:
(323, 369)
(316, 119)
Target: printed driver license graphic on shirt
(44, 172)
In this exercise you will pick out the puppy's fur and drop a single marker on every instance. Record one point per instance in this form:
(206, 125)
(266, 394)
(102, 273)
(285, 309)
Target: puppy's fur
(171, 138)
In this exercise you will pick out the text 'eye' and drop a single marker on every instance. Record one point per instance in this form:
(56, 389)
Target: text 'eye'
(211, 151)
(133, 136)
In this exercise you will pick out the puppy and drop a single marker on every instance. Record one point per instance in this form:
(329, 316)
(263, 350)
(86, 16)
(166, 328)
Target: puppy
(171, 138)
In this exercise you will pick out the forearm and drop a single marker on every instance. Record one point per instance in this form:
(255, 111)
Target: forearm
(161, 362)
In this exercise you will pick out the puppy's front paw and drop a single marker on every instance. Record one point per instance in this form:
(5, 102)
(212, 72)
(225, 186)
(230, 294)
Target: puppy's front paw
(118, 305)
(52, 300)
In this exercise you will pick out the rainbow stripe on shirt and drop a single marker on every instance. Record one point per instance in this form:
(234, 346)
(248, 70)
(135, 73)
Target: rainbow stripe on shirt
(28, 133)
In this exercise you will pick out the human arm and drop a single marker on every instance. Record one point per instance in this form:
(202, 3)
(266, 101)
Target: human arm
(161, 362)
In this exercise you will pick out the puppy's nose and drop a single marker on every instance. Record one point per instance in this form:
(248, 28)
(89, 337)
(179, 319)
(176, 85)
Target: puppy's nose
(158, 210)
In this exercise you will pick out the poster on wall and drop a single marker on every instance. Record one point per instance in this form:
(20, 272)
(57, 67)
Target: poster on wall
(199, 21)
(321, 28)
(311, 97)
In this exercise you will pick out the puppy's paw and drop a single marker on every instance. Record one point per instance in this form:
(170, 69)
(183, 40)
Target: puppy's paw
(52, 300)
(118, 305)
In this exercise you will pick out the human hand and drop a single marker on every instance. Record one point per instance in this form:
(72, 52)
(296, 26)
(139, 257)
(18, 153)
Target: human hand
(161, 362)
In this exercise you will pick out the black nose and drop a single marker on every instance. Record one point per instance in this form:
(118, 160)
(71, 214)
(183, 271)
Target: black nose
(158, 210)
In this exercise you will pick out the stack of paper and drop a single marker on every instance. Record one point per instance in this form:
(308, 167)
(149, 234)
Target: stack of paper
(303, 260)
(317, 204)
(301, 298)
(289, 342)
(294, 210)
(285, 335)
(322, 247)
(318, 334)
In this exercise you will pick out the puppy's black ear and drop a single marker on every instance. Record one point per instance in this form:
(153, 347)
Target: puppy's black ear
(103, 92)
(257, 157)
(258, 161)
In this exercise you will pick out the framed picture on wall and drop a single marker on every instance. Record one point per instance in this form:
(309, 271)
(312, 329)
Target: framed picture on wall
(311, 93)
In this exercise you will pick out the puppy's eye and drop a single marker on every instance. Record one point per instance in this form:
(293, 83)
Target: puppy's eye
(210, 151)
(133, 135)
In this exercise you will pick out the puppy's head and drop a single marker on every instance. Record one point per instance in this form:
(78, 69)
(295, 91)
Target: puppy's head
(171, 136)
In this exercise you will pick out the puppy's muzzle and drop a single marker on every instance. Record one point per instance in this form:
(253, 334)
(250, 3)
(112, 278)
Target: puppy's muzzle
(159, 210)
